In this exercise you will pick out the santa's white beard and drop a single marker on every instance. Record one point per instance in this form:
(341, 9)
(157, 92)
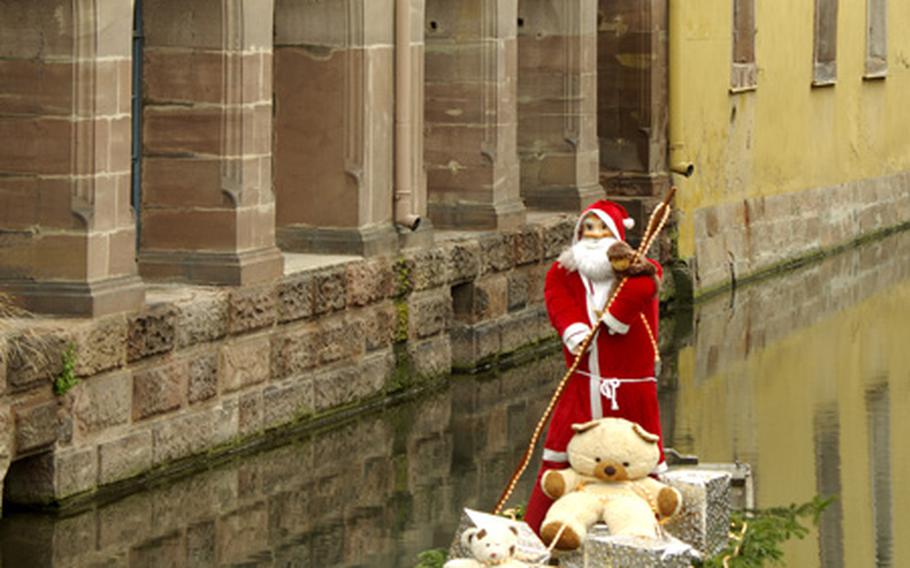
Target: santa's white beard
(591, 258)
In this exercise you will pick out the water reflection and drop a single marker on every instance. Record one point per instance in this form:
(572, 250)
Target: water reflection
(805, 376)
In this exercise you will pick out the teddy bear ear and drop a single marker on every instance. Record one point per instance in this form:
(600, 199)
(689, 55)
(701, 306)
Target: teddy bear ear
(584, 426)
(481, 533)
(645, 435)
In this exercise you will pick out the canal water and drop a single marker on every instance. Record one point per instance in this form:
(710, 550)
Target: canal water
(806, 376)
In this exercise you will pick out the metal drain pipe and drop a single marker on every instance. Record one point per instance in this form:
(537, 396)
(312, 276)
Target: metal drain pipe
(404, 198)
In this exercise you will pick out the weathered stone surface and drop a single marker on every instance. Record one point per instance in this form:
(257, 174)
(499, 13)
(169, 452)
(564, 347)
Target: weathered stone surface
(528, 244)
(431, 357)
(520, 329)
(34, 358)
(335, 388)
(36, 425)
(75, 471)
(369, 281)
(429, 313)
(329, 290)
(481, 300)
(245, 362)
(159, 389)
(474, 343)
(462, 260)
(124, 457)
(497, 252)
(286, 403)
(557, 235)
(152, 331)
(100, 345)
(180, 437)
(250, 413)
(293, 351)
(517, 290)
(252, 308)
(295, 297)
(379, 326)
(422, 270)
(203, 376)
(102, 401)
(201, 318)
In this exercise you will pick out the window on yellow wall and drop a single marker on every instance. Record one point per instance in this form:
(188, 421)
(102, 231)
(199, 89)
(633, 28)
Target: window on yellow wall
(825, 63)
(744, 74)
(876, 39)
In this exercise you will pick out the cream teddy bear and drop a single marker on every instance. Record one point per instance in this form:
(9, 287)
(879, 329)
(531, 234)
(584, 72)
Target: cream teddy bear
(608, 480)
(491, 546)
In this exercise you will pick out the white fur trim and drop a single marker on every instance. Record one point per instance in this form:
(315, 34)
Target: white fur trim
(602, 215)
(662, 467)
(628, 222)
(574, 335)
(567, 260)
(614, 324)
(553, 456)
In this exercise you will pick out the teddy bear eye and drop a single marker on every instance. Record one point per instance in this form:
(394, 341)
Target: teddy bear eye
(597, 460)
(625, 464)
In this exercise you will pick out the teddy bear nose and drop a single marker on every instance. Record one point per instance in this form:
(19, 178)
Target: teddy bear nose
(610, 470)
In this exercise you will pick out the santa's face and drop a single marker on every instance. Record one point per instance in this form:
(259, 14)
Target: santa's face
(590, 251)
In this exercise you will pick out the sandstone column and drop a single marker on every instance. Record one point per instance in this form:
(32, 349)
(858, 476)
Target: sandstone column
(557, 103)
(632, 101)
(334, 125)
(471, 108)
(67, 235)
(208, 211)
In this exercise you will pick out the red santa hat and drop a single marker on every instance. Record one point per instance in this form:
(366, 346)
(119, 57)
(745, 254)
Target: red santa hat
(612, 214)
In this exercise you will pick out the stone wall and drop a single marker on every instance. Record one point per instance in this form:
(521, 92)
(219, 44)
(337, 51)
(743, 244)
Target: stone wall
(742, 238)
(413, 468)
(203, 369)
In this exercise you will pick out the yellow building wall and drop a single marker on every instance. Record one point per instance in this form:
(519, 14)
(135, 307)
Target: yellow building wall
(787, 136)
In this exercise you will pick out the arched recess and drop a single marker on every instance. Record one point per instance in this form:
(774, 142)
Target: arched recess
(208, 211)
(334, 126)
(557, 103)
(67, 235)
(632, 104)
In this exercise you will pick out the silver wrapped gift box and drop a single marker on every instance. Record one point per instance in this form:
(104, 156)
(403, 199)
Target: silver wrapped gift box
(529, 549)
(704, 521)
(601, 550)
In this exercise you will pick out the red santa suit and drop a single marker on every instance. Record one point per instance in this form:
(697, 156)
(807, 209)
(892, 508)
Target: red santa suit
(616, 377)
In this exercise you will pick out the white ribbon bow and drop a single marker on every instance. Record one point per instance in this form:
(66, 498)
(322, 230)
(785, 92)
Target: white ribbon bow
(609, 388)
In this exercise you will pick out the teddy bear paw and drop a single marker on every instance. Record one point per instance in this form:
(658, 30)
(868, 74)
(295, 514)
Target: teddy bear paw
(669, 502)
(553, 485)
(568, 538)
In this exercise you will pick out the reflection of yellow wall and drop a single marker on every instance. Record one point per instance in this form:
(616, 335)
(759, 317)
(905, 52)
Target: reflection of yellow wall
(787, 136)
(762, 409)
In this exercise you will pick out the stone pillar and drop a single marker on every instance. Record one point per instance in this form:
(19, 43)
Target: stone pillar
(6, 442)
(471, 114)
(334, 125)
(208, 211)
(632, 102)
(67, 234)
(557, 103)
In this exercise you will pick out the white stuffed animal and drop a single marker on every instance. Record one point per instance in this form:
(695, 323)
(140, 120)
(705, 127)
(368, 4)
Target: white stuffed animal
(608, 481)
(491, 546)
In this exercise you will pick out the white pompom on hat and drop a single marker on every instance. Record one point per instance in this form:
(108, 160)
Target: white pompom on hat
(612, 214)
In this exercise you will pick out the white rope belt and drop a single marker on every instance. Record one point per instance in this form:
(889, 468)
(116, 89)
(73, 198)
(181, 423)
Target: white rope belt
(609, 387)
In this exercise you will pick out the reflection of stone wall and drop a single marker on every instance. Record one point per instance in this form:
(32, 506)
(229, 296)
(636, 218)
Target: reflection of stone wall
(370, 493)
(204, 368)
(727, 332)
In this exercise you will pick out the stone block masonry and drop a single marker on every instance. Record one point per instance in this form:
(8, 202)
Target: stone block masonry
(200, 370)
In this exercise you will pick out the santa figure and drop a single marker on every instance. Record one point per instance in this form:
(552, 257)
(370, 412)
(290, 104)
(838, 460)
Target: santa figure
(616, 376)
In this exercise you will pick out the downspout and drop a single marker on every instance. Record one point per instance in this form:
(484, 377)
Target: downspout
(679, 159)
(404, 199)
